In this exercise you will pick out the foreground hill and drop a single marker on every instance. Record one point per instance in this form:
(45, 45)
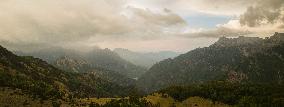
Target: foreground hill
(144, 59)
(243, 59)
(233, 94)
(39, 79)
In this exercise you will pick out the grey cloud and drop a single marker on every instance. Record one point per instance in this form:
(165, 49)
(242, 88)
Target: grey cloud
(41, 23)
(55, 21)
(25, 47)
(168, 18)
(263, 12)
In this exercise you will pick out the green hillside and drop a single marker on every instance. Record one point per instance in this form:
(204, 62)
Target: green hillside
(233, 94)
(37, 78)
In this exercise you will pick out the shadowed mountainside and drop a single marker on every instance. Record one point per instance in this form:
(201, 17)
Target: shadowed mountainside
(243, 59)
(97, 58)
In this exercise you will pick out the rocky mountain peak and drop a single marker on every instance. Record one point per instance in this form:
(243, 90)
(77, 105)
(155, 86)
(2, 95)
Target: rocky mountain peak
(241, 40)
(277, 37)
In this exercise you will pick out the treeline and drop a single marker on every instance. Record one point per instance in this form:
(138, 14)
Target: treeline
(243, 95)
(37, 89)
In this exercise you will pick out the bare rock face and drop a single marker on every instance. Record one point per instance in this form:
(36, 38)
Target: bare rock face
(71, 64)
(236, 77)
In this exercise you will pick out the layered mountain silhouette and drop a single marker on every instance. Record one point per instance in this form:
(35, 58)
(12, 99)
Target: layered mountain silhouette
(144, 59)
(236, 60)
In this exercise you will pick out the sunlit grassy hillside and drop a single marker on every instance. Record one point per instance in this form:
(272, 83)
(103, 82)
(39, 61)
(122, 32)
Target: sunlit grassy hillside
(162, 101)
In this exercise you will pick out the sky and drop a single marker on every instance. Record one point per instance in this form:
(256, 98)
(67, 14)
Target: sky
(138, 25)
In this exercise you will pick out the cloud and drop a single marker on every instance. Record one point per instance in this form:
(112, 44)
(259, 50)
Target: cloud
(63, 21)
(167, 18)
(128, 23)
(54, 20)
(264, 12)
(187, 7)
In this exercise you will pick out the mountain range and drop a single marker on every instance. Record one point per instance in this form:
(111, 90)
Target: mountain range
(237, 60)
(144, 59)
(83, 61)
(251, 67)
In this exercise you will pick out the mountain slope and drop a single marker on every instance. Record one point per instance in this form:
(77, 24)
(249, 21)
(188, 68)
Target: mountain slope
(41, 80)
(110, 60)
(243, 59)
(69, 64)
(144, 59)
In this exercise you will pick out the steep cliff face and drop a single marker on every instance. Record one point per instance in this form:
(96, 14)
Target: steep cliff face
(243, 59)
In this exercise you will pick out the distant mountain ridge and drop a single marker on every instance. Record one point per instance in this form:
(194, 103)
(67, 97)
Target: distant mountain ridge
(98, 58)
(144, 59)
(243, 59)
